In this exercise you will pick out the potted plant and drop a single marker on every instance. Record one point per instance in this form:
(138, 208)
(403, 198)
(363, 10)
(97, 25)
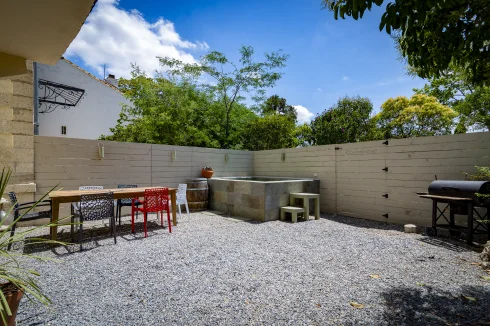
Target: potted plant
(207, 172)
(17, 279)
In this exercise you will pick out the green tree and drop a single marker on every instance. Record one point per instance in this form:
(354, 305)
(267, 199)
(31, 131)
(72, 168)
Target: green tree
(419, 116)
(175, 113)
(453, 88)
(347, 121)
(272, 131)
(475, 110)
(304, 135)
(278, 105)
(433, 33)
(231, 80)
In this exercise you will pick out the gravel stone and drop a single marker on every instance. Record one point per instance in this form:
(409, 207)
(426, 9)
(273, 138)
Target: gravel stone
(217, 270)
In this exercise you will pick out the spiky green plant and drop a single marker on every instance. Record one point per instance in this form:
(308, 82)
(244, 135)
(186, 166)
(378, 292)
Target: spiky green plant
(13, 268)
(482, 174)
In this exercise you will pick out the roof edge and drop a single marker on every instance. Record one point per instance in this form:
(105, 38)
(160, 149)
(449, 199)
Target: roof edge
(91, 75)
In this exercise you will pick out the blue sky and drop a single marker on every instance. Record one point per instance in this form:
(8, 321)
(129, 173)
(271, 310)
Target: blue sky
(328, 58)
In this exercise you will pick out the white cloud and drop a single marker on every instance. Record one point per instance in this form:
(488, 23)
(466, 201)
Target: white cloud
(344, 78)
(319, 89)
(116, 37)
(304, 115)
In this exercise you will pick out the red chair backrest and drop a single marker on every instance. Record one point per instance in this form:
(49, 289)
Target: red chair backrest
(156, 199)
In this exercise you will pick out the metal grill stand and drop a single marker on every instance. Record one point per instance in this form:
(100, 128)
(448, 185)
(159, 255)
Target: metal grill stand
(460, 206)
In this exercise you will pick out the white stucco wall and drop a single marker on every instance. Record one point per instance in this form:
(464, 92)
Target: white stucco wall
(97, 111)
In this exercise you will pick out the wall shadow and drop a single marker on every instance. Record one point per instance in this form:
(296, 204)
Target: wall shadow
(362, 223)
(430, 306)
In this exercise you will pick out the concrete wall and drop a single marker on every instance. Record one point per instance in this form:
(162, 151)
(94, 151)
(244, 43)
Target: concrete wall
(258, 200)
(97, 111)
(16, 132)
(69, 163)
(353, 181)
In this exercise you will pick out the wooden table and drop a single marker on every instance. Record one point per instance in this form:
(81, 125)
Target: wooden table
(70, 196)
(306, 202)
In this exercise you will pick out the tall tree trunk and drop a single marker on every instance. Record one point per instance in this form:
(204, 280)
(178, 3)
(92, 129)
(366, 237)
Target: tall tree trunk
(227, 130)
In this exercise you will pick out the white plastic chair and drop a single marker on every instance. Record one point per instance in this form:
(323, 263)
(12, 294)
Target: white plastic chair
(182, 199)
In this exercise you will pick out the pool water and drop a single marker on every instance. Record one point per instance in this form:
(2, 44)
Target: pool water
(262, 179)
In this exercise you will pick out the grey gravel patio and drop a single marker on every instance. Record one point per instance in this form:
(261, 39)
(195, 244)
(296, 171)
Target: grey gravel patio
(214, 270)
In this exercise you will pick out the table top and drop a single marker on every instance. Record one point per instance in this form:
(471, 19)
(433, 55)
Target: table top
(445, 198)
(120, 192)
(304, 194)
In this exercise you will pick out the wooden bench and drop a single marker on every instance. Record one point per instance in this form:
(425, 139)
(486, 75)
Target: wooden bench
(294, 212)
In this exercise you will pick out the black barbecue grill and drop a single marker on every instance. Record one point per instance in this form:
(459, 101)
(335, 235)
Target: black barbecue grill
(460, 198)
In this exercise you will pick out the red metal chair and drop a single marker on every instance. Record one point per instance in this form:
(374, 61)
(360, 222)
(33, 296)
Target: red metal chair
(156, 200)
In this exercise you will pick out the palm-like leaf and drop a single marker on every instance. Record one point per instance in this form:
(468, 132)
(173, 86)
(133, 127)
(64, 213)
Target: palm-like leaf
(12, 267)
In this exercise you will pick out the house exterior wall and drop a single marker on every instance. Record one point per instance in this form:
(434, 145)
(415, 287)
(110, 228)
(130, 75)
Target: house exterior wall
(96, 112)
(16, 133)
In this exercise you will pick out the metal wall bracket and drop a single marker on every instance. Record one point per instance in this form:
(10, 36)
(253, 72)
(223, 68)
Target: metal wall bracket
(337, 148)
(385, 169)
(385, 142)
(52, 95)
(385, 195)
(385, 215)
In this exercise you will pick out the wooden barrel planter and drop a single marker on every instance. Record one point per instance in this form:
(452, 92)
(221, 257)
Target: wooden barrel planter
(197, 194)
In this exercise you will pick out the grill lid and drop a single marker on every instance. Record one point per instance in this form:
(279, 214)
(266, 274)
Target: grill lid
(459, 188)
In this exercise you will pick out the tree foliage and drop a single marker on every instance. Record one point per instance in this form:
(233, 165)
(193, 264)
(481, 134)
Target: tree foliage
(347, 121)
(419, 116)
(472, 102)
(231, 80)
(272, 131)
(278, 105)
(175, 113)
(475, 110)
(433, 33)
(304, 135)
(276, 128)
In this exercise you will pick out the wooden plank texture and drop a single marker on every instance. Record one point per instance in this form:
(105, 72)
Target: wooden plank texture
(352, 181)
(69, 163)
(357, 183)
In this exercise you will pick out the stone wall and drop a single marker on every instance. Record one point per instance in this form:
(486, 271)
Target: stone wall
(16, 132)
(258, 200)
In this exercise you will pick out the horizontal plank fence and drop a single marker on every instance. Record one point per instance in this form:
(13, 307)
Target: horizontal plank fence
(369, 180)
(353, 180)
(69, 163)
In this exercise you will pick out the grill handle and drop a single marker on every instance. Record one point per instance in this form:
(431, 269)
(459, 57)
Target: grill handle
(450, 188)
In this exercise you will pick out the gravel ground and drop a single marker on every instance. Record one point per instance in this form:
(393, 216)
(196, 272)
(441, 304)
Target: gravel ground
(217, 270)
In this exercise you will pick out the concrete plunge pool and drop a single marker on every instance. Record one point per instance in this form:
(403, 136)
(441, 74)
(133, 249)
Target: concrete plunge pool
(258, 198)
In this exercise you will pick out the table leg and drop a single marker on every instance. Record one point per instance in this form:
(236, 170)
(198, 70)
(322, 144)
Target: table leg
(434, 214)
(55, 212)
(451, 218)
(488, 223)
(317, 208)
(173, 199)
(469, 231)
(306, 206)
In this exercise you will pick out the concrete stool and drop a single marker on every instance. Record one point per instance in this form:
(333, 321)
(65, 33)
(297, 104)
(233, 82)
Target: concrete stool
(294, 212)
(306, 202)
